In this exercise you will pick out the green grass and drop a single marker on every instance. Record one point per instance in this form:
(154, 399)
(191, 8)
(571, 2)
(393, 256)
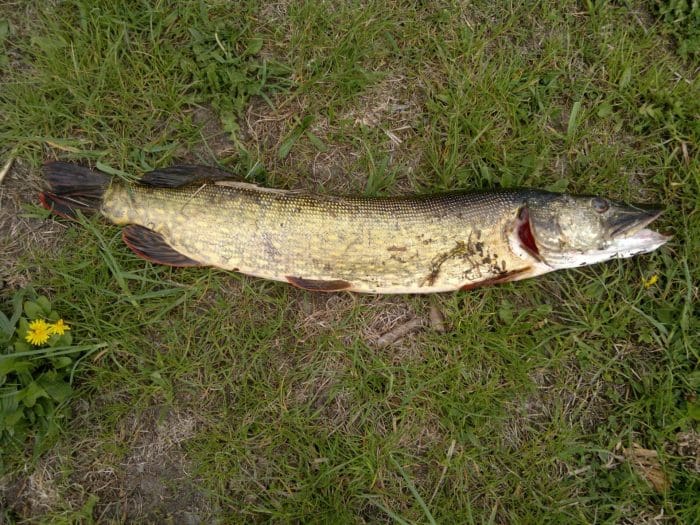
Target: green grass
(231, 398)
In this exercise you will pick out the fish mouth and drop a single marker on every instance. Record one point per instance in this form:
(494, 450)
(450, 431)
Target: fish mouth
(630, 221)
(630, 235)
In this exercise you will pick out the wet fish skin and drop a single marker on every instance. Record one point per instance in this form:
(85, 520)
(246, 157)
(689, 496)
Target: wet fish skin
(379, 245)
(411, 244)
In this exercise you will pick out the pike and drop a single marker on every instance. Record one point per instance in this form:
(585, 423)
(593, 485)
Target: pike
(199, 216)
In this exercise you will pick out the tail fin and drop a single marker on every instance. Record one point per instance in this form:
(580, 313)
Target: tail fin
(73, 187)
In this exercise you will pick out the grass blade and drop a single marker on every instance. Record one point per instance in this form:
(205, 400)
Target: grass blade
(573, 120)
(414, 491)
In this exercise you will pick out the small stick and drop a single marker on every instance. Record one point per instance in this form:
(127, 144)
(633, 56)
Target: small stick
(399, 332)
(6, 169)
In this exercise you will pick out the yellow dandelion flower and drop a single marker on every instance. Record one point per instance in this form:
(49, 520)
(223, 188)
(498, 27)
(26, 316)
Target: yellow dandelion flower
(38, 333)
(651, 281)
(59, 327)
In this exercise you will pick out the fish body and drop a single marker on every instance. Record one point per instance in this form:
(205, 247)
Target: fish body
(413, 244)
(378, 245)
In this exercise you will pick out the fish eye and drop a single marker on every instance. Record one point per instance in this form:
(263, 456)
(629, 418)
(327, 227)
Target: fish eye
(600, 205)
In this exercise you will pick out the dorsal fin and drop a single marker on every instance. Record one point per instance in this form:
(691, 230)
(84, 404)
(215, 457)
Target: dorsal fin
(184, 174)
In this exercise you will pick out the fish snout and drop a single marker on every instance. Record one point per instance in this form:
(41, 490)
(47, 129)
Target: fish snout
(630, 219)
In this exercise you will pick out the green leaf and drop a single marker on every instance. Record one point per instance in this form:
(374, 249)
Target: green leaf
(40, 411)
(31, 393)
(6, 327)
(10, 364)
(9, 400)
(21, 346)
(287, 145)
(293, 136)
(17, 306)
(111, 171)
(254, 46)
(317, 142)
(61, 340)
(22, 328)
(12, 418)
(59, 390)
(33, 310)
(44, 304)
(61, 362)
(605, 110)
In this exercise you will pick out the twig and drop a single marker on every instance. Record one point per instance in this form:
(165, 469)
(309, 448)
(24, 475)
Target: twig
(400, 332)
(6, 168)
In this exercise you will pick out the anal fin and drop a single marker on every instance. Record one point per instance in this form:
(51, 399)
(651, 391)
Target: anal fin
(153, 247)
(319, 285)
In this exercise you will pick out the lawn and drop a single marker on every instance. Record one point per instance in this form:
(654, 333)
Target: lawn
(202, 396)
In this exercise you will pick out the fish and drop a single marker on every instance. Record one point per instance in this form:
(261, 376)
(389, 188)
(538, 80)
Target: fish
(192, 216)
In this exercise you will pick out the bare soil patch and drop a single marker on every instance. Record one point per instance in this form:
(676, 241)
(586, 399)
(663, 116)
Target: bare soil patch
(19, 231)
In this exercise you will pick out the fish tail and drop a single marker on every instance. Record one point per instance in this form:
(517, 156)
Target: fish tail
(73, 188)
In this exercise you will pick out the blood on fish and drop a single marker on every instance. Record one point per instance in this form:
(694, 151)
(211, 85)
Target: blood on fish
(527, 239)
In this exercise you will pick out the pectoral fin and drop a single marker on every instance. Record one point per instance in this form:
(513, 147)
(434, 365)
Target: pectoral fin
(152, 246)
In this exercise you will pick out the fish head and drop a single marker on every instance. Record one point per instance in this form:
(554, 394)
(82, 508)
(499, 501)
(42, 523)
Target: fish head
(568, 231)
